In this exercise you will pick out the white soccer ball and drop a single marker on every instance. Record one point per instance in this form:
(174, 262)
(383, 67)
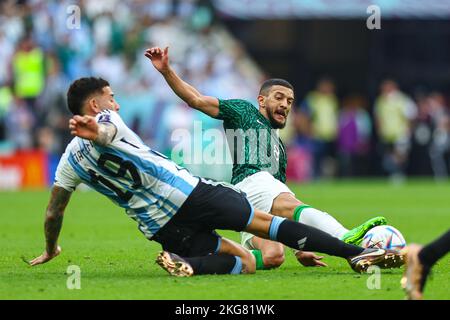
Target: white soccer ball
(385, 237)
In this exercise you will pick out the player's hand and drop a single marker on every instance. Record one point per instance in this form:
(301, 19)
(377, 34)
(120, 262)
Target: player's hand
(84, 127)
(310, 259)
(45, 257)
(159, 58)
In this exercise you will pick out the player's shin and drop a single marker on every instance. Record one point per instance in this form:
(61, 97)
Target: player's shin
(319, 219)
(431, 253)
(299, 236)
(216, 264)
(302, 237)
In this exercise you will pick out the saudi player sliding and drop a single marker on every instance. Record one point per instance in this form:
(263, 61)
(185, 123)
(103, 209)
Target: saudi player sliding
(261, 175)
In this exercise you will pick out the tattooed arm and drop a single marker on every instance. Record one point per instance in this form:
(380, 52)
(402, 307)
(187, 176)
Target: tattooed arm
(86, 127)
(106, 133)
(53, 223)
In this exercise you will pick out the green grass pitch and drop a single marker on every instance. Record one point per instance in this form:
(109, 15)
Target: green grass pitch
(117, 262)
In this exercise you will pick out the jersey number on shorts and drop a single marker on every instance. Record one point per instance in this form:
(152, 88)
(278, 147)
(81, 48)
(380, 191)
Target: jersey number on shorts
(108, 161)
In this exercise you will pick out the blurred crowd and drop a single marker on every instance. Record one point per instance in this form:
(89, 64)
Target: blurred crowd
(398, 135)
(47, 44)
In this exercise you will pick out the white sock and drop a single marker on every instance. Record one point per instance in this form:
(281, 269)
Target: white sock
(323, 221)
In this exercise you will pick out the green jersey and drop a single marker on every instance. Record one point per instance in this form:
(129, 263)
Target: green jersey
(254, 145)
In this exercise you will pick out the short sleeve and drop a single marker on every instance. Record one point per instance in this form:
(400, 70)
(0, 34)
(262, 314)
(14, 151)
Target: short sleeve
(112, 117)
(65, 176)
(234, 109)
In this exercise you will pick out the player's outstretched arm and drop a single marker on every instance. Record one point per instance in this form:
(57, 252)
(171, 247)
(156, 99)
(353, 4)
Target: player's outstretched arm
(190, 95)
(53, 223)
(87, 128)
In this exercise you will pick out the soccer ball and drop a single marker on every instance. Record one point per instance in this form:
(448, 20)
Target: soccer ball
(385, 237)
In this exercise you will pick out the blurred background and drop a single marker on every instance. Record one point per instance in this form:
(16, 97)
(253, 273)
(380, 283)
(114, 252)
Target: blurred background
(371, 100)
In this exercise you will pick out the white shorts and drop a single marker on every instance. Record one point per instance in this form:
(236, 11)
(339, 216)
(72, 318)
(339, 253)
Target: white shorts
(261, 189)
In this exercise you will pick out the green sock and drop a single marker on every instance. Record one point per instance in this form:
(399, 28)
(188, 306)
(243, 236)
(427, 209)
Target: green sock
(298, 211)
(259, 259)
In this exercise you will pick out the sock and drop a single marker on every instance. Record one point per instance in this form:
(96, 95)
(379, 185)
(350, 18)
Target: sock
(259, 259)
(320, 220)
(298, 211)
(215, 264)
(300, 236)
(432, 252)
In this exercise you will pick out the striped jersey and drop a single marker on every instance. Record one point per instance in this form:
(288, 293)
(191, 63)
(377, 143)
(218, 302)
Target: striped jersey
(148, 185)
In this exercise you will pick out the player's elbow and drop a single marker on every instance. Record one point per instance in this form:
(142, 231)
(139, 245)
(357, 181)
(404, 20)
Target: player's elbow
(196, 102)
(205, 105)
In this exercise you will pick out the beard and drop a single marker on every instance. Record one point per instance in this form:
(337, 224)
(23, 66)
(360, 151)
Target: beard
(275, 123)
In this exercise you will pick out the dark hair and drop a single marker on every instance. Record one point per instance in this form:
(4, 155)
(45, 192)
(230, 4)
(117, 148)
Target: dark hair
(265, 87)
(81, 89)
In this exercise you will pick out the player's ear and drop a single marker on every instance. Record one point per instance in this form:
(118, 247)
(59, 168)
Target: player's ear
(261, 101)
(92, 106)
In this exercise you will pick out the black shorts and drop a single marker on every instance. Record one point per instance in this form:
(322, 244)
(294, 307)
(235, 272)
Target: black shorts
(210, 206)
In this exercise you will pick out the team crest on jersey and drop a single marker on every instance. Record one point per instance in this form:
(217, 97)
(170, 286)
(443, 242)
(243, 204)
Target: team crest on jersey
(104, 118)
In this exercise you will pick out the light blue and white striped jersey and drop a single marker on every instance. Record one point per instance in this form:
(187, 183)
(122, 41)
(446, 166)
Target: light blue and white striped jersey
(147, 184)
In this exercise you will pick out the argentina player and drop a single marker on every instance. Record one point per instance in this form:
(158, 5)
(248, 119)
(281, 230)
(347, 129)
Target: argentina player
(170, 205)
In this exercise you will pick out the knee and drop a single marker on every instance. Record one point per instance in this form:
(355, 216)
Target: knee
(273, 258)
(284, 205)
(248, 263)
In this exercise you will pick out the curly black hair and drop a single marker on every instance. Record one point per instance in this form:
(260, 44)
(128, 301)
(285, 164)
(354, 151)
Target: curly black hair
(81, 89)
